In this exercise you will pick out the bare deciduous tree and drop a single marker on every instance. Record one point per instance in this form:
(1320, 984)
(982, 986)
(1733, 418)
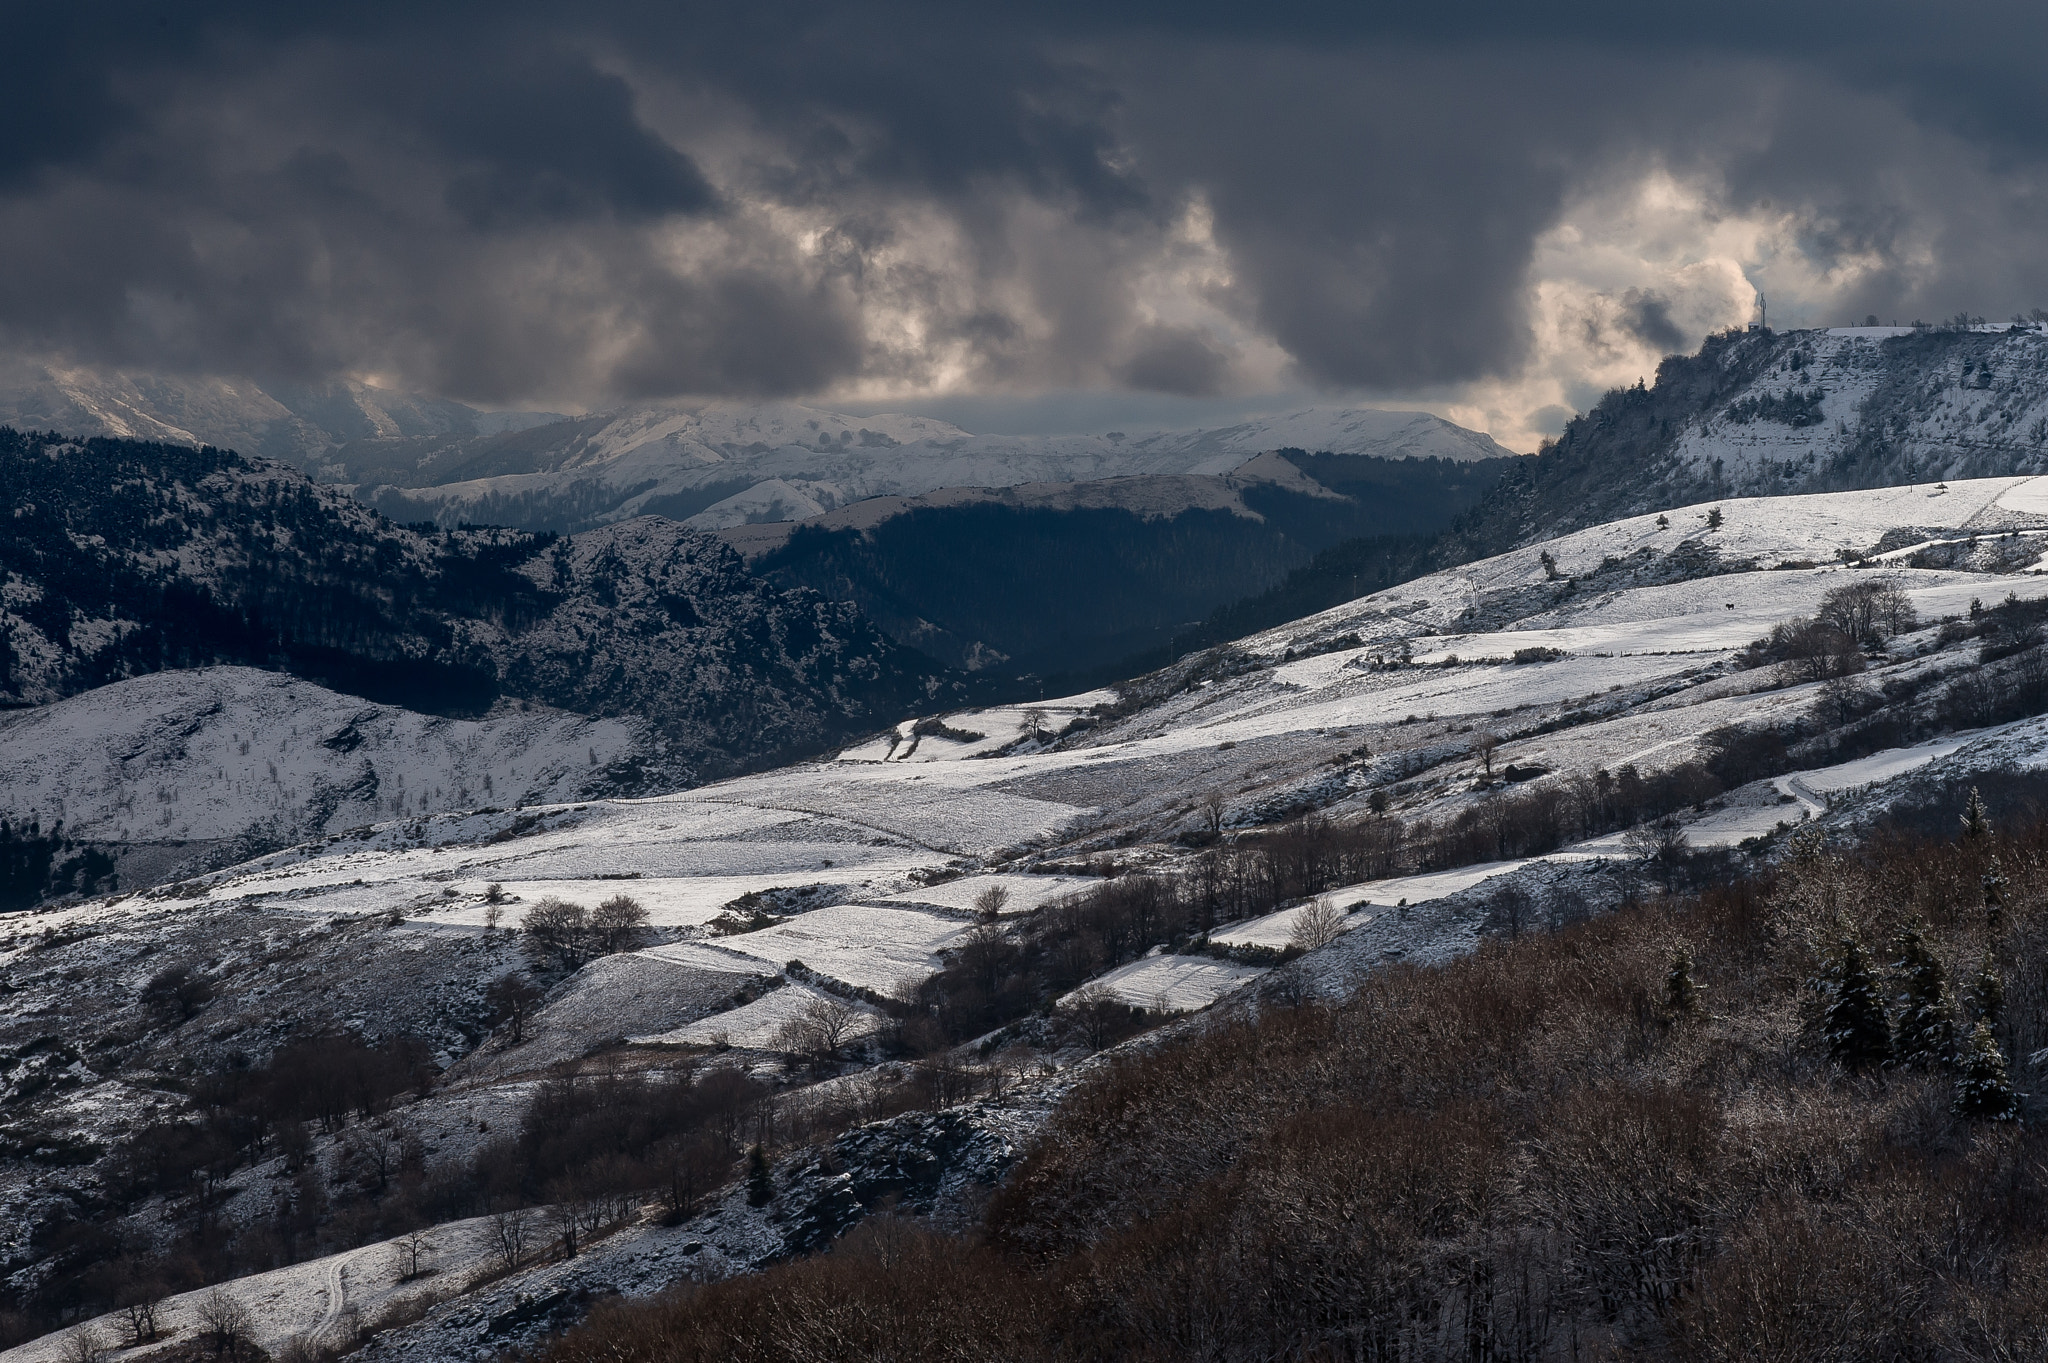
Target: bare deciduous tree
(1870, 611)
(558, 930)
(512, 998)
(1661, 844)
(1483, 747)
(85, 1344)
(1841, 699)
(818, 1029)
(511, 1229)
(1317, 924)
(989, 903)
(224, 1321)
(410, 1253)
(140, 1298)
(1096, 1011)
(1813, 650)
(617, 924)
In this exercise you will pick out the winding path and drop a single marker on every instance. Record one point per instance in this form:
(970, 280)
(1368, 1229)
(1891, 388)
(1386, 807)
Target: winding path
(336, 1287)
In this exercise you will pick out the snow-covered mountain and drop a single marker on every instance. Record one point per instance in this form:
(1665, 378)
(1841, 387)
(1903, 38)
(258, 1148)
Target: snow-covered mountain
(1483, 738)
(721, 465)
(303, 424)
(716, 464)
(1768, 413)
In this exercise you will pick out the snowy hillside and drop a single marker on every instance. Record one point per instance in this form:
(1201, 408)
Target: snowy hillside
(1769, 413)
(1489, 745)
(1887, 402)
(182, 763)
(722, 465)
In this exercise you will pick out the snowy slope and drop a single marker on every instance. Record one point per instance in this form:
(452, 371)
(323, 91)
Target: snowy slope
(867, 868)
(226, 753)
(1950, 405)
(310, 1301)
(1776, 413)
(723, 465)
(1646, 674)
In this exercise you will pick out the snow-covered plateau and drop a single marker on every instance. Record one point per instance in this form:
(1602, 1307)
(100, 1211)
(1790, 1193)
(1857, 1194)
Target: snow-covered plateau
(843, 884)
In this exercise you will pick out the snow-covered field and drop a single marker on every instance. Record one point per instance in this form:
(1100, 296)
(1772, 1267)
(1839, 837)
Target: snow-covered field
(1022, 894)
(758, 1025)
(1646, 673)
(864, 945)
(854, 839)
(1175, 984)
(316, 1301)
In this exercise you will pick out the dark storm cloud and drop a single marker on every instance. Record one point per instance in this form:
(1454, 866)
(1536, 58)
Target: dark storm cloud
(1648, 317)
(1177, 360)
(542, 142)
(524, 200)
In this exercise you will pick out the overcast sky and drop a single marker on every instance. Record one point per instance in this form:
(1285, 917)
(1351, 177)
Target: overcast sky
(1074, 215)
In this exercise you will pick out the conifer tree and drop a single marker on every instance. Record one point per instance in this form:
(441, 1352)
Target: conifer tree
(1926, 1032)
(1854, 1024)
(1994, 896)
(1984, 1088)
(1681, 991)
(1976, 819)
(1987, 992)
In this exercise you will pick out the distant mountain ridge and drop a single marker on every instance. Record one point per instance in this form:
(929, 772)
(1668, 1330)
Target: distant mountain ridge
(717, 464)
(722, 465)
(1079, 580)
(302, 424)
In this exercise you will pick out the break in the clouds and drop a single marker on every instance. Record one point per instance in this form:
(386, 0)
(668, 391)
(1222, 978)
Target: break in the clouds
(1467, 206)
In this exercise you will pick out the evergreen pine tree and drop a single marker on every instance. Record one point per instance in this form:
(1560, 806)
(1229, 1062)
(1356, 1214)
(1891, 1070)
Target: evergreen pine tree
(1994, 895)
(1976, 819)
(1984, 1088)
(1987, 992)
(1681, 991)
(760, 1188)
(1854, 1023)
(1926, 1032)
